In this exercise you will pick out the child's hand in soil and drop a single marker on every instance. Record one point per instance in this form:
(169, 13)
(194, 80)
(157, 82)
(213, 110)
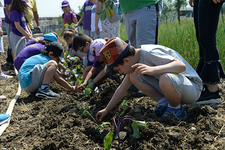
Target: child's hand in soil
(101, 114)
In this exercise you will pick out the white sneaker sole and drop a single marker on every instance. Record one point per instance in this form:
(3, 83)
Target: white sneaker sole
(4, 121)
(210, 101)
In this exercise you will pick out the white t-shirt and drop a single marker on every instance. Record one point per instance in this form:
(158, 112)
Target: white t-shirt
(155, 55)
(93, 10)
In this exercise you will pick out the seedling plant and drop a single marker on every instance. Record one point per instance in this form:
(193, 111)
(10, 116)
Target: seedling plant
(71, 64)
(135, 124)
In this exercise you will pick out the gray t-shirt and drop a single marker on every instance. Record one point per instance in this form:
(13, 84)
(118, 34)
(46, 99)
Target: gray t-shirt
(154, 55)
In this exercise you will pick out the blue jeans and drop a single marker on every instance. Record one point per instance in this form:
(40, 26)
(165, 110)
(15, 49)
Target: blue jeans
(206, 17)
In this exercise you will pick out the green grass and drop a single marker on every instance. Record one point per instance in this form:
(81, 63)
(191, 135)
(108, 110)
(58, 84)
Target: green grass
(181, 37)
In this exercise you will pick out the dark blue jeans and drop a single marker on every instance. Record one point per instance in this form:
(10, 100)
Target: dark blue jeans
(206, 18)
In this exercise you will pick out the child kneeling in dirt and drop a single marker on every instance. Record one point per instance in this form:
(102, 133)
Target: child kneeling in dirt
(157, 71)
(37, 72)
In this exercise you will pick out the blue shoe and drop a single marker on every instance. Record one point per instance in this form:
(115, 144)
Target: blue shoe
(4, 118)
(159, 110)
(179, 114)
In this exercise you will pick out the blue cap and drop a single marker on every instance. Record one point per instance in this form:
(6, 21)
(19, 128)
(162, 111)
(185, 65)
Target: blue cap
(51, 37)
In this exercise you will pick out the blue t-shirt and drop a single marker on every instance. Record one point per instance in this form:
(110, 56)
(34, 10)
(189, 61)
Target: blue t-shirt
(24, 75)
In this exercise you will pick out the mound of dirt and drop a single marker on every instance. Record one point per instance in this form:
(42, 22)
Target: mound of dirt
(55, 124)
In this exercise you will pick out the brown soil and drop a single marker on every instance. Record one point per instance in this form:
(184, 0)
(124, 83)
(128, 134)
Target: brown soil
(54, 124)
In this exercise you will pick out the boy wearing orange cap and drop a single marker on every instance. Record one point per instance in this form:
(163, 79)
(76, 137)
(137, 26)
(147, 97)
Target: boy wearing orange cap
(157, 71)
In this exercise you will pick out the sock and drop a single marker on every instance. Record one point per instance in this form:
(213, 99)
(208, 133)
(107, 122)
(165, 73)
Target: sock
(163, 101)
(44, 86)
(177, 107)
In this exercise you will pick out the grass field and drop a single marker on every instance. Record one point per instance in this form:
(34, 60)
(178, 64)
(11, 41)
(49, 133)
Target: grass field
(181, 37)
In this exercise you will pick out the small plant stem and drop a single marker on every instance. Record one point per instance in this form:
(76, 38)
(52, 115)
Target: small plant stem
(93, 92)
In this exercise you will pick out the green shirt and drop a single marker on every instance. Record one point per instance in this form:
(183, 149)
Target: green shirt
(130, 5)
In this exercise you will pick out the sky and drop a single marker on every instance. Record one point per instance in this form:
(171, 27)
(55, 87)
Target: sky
(51, 8)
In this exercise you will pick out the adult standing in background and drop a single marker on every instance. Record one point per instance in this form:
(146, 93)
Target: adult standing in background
(109, 30)
(210, 69)
(33, 13)
(86, 17)
(9, 59)
(141, 19)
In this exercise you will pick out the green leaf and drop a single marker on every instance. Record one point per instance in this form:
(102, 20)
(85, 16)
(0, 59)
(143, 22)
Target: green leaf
(108, 140)
(103, 15)
(136, 133)
(77, 83)
(124, 106)
(78, 66)
(66, 25)
(87, 91)
(141, 123)
(90, 83)
(102, 125)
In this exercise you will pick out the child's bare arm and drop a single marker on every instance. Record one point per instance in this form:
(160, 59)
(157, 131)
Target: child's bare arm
(63, 29)
(21, 30)
(176, 66)
(86, 70)
(117, 96)
(90, 74)
(100, 75)
(63, 83)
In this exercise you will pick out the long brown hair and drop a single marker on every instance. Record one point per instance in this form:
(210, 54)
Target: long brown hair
(19, 5)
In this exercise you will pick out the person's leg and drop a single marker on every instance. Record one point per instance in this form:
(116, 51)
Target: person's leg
(178, 90)
(212, 70)
(150, 90)
(9, 58)
(52, 66)
(147, 24)
(2, 75)
(150, 86)
(130, 24)
(44, 91)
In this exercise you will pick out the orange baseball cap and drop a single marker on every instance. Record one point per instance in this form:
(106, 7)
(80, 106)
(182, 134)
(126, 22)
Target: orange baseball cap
(113, 50)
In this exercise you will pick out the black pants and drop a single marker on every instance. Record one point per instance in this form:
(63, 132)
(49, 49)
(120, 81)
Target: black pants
(9, 58)
(206, 18)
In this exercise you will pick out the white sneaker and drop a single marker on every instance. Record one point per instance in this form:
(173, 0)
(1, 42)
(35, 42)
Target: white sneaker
(3, 77)
(2, 97)
(5, 72)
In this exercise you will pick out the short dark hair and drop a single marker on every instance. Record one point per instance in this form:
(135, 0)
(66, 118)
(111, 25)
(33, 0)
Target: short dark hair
(44, 42)
(79, 40)
(69, 34)
(130, 52)
(46, 52)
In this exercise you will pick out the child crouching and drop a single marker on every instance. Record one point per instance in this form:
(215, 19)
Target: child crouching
(37, 72)
(158, 71)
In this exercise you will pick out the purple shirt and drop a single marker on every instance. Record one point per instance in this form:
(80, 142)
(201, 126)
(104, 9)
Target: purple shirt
(0, 22)
(26, 53)
(87, 15)
(69, 18)
(33, 42)
(17, 17)
(6, 17)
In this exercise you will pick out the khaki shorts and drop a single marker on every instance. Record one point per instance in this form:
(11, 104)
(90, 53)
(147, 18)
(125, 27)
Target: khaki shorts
(189, 90)
(38, 73)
